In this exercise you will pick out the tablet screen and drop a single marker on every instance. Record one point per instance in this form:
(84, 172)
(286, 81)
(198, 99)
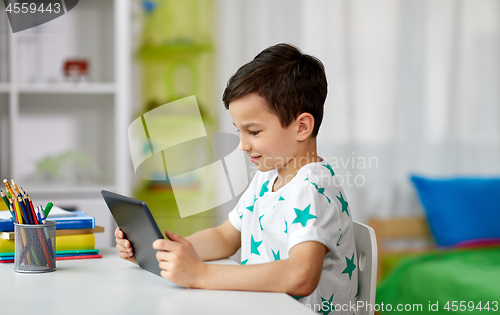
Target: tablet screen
(135, 220)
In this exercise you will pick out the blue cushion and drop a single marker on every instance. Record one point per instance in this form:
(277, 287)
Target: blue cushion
(460, 209)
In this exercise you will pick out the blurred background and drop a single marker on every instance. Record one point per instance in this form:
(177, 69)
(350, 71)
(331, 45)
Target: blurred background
(413, 88)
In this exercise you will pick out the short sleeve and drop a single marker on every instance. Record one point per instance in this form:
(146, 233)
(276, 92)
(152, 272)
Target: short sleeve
(235, 215)
(312, 215)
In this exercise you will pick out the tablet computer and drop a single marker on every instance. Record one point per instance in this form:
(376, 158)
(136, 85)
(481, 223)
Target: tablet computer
(135, 220)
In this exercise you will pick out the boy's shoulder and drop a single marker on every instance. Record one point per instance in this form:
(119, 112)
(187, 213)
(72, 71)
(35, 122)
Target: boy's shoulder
(317, 175)
(318, 170)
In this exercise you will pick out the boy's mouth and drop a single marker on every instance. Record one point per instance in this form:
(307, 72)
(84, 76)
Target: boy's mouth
(254, 159)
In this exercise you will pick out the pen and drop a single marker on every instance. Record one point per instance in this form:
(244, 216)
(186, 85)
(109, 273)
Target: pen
(42, 215)
(45, 242)
(46, 233)
(48, 207)
(37, 210)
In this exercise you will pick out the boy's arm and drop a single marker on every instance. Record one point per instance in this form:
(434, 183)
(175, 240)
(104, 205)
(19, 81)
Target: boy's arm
(298, 275)
(216, 243)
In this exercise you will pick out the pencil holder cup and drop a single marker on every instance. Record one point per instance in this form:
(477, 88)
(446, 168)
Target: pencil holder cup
(35, 247)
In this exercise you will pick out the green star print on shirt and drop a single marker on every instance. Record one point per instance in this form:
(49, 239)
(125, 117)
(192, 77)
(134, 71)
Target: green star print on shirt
(326, 308)
(329, 167)
(344, 203)
(255, 246)
(260, 218)
(303, 216)
(276, 255)
(264, 189)
(321, 191)
(281, 198)
(350, 266)
(251, 207)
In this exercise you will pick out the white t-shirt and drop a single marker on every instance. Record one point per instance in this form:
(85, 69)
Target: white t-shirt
(311, 207)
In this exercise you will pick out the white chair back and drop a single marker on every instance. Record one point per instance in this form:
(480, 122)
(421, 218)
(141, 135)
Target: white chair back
(366, 248)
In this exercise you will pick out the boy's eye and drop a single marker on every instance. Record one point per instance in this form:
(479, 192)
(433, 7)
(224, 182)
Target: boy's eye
(254, 133)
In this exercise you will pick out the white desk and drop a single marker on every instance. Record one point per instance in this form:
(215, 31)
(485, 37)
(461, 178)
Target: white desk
(111, 285)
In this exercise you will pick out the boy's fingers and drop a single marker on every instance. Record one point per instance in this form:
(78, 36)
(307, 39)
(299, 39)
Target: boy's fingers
(162, 244)
(163, 255)
(123, 249)
(125, 255)
(177, 238)
(123, 245)
(118, 233)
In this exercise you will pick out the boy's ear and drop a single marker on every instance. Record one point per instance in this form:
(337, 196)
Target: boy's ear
(305, 123)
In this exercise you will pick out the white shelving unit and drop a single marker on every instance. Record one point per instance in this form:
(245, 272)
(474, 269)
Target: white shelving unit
(42, 116)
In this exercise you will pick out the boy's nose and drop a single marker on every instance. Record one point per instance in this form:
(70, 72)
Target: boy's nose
(244, 146)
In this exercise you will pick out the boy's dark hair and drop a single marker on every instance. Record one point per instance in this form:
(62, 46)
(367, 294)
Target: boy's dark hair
(290, 82)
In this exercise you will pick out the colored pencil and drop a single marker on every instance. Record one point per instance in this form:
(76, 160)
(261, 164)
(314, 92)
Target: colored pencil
(14, 185)
(9, 189)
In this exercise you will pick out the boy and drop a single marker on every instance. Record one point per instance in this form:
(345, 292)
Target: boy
(293, 222)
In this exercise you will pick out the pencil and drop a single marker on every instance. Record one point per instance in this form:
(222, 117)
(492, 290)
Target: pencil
(43, 241)
(29, 206)
(7, 202)
(14, 185)
(18, 211)
(32, 209)
(13, 213)
(23, 209)
(9, 189)
(5, 198)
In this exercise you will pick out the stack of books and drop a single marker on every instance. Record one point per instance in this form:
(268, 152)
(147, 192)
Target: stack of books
(75, 237)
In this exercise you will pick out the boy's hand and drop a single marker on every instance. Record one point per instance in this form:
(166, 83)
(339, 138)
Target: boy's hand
(124, 247)
(179, 261)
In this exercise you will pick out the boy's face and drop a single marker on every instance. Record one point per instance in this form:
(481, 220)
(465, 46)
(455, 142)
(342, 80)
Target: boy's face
(269, 145)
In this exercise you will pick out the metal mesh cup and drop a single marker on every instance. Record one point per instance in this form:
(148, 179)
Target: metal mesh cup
(35, 247)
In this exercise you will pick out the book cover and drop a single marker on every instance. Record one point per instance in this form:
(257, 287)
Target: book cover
(65, 220)
(63, 252)
(6, 261)
(72, 256)
(63, 242)
(97, 229)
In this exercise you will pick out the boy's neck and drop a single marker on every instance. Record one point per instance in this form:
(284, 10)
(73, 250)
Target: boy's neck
(305, 156)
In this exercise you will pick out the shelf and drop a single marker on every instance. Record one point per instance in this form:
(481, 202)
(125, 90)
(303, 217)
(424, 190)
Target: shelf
(67, 137)
(68, 88)
(65, 141)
